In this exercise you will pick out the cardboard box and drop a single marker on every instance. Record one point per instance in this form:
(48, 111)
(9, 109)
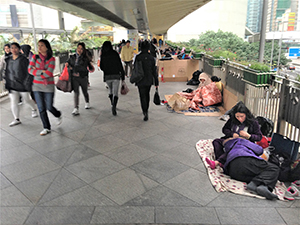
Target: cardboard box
(179, 70)
(229, 99)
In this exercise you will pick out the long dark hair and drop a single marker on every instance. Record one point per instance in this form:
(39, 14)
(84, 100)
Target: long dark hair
(84, 53)
(106, 47)
(241, 108)
(49, 49)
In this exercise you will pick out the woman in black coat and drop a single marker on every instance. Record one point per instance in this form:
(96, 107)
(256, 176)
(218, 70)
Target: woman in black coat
(111, 65)
(15, 75)
(150, 77)
(79, 64)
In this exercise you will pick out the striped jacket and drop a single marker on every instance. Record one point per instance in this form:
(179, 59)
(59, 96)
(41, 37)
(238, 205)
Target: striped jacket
(43, 82)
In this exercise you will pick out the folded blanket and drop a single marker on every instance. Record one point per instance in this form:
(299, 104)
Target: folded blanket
(222, 182)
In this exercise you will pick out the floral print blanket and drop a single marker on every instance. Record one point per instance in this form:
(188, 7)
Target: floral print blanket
(222, 182)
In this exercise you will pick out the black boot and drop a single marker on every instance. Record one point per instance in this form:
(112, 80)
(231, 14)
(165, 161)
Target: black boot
(111, 98)
(145, 116)
(114, 106)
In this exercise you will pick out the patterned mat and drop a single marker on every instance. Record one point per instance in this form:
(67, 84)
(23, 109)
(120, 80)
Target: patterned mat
(202, 111)
(221, 182)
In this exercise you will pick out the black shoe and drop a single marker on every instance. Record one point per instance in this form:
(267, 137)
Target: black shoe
(146, 116)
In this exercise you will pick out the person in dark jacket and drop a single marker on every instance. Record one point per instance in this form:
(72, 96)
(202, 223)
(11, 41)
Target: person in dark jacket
(241, 124)
(15, 74)
(150, 77)
(79, 66)
(111, 65)
(26, 51)
(244, 164)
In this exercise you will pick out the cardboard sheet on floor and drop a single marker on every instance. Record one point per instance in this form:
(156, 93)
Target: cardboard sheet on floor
(221, 182)
(220, 112)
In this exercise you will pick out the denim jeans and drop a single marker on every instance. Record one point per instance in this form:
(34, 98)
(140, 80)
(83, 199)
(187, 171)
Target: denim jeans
(44, 102)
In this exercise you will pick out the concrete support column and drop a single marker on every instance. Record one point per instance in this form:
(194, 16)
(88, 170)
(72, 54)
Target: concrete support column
(61, 20)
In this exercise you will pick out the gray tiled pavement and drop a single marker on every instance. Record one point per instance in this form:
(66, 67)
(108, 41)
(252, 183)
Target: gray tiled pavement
(100, 169)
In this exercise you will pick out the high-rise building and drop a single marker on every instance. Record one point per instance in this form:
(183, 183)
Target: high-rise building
(271, 17)
(254, 15)
(282, 5)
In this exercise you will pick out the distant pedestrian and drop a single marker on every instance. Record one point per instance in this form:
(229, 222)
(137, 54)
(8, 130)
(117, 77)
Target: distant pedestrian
(41, 67)
(15, 75)
(127, 57)
(111, 65)
(160, 43)
(150, 77)
(7, 53)
(79, 65)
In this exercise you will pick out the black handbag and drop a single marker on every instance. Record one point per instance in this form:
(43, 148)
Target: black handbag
(285, 145)
(137, 72)
(156, 98)
(28, 83)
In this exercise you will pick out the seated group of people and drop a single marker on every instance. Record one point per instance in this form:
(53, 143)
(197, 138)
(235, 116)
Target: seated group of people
(240, 157)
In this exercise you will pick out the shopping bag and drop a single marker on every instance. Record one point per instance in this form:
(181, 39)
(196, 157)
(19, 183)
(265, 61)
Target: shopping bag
(124, 89)
(178, 102)
(65, 74)
(156, 98)
(64, 85)
(285, 145)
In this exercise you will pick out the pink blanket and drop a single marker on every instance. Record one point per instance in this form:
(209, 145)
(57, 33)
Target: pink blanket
(203, 96)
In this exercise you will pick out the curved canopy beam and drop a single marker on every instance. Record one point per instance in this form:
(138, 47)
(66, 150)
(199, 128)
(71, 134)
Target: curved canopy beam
(155, 17)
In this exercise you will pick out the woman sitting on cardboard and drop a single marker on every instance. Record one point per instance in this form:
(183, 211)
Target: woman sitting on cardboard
(205, 95)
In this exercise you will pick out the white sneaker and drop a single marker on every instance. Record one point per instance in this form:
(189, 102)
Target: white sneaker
(59, 120)
(34, 113)
(87, 105)
(75, 112)
(14, 122)
(45, 132)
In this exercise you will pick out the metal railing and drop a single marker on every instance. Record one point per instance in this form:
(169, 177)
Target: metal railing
(279, 101)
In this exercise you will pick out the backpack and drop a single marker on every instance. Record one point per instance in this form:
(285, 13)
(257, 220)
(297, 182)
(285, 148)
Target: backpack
(266, 125)
(137, 72)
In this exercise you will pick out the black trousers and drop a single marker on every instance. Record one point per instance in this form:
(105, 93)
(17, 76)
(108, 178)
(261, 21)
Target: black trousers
(144, 92)
(248, 169)
(83, 83)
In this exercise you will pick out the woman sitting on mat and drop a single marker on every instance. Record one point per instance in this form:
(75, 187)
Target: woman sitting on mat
(206, 94)
(241, 124)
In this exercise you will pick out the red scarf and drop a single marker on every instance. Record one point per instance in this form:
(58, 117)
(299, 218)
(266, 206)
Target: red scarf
(43, 58)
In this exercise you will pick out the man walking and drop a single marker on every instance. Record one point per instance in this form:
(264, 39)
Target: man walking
(127, 57)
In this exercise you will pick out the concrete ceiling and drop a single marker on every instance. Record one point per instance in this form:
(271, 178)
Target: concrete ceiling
(154, 16)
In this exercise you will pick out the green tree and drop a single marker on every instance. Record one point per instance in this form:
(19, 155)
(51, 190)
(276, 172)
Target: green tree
(222, 43)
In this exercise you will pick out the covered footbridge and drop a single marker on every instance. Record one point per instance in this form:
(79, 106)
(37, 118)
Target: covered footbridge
(146, 16)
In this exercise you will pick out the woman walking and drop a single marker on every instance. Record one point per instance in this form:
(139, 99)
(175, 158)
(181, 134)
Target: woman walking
(15, 75)
(150, 76)
(41, 67)
(79, 65)
(7, 53)
(111, 65)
